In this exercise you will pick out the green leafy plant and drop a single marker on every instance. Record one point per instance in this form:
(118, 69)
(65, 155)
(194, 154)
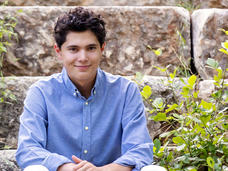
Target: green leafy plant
(197, 134)
(7, 26)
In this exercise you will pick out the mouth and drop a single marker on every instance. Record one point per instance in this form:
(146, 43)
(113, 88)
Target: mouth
(82, 67)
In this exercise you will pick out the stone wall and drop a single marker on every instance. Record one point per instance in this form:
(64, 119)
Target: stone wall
(126, 52)
(187, 3)
(126, 48)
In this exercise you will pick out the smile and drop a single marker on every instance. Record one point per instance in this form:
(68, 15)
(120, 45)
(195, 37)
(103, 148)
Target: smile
(82, 67)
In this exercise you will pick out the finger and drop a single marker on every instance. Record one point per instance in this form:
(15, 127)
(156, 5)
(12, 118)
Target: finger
(76, 159)
(86, 167)
(80, 165)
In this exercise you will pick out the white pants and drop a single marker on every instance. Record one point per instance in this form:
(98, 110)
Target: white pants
(146, 168)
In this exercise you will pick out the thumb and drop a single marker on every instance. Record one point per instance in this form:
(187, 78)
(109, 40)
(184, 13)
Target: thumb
(76, 159)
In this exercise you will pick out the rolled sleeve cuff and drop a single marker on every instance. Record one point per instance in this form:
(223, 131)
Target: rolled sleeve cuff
(53, 161)
(125, 161)
(137, 157)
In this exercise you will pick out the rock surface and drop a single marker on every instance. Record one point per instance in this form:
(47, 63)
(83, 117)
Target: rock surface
(194, 3)
(207, 39)
(126, 50)
(8, 161)
(9, 114)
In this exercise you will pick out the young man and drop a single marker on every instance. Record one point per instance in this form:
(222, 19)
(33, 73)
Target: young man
(83, 118)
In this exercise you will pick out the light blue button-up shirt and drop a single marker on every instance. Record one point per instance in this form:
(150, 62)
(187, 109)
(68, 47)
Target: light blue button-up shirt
(108, 127)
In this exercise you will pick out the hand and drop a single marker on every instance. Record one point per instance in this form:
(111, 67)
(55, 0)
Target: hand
(83, 165)
(67, 167)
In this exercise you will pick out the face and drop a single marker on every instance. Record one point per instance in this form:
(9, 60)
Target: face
(81, 54)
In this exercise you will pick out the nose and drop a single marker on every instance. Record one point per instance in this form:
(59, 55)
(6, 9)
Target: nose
(82, 56)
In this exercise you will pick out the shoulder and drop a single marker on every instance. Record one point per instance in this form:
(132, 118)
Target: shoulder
(48, 83)
(120, 82)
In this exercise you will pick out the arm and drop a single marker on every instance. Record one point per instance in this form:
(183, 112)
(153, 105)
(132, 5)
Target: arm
(115, 167)
(137, 147)
(84, 165)
(33, 134)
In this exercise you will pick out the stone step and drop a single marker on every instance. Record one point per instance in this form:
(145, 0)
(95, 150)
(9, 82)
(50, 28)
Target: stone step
(9, 113)
(193, 3)
(207, 38)
(129, 31)
(8, 161)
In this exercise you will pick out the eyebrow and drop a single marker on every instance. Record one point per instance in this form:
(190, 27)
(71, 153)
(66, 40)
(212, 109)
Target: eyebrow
(89, 45)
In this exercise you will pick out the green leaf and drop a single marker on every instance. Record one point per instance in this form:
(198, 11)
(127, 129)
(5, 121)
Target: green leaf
(180, 117)
(206, 105)
(191, 81)
(185, 92)
(223, 51)
(219, 70)
(210, 162)
(146, 93)
(225, 126)
(225, 31)
(149, 47)
(205, 118)
(212, 63)
(224, 45)
(181, 37)
(158, 52)
(157, 145)
(159, 117)
(170, 156)
(139, 76)
(12, 97)
(166, 134)
(178, 140)
(160, 69)
(172, 75)
(171, 107)
(2, 48)
(20, 10)
(195, 94)
(158, 103)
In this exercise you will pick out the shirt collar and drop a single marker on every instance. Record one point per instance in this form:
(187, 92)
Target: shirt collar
(72, 88)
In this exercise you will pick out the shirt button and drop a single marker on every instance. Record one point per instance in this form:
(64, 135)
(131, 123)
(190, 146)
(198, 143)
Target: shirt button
(85, 151)
(86, 128)
(94, 92)
(74, 94)
(86, 103)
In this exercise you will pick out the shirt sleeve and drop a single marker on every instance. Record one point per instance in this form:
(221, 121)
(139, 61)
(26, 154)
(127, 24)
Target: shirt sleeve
(33, 134)
(137, 146)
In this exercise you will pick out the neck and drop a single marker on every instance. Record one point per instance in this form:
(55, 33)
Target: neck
(85, 87)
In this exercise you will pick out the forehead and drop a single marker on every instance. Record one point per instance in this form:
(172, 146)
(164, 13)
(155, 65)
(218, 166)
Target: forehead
(81, 38)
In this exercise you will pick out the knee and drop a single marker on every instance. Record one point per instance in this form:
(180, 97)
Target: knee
(153, 168)
(36, 168)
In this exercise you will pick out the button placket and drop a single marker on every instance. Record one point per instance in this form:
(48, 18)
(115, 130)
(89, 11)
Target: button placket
(86, 131)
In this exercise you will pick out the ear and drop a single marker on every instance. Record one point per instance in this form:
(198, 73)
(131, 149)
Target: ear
(58, 51)
(103, 46)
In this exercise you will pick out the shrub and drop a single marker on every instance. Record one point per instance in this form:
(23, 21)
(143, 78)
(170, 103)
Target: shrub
(7, 25)
(198, 137)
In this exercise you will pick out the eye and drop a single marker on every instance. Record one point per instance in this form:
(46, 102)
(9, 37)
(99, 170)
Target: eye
(73, 49)
(92, 48)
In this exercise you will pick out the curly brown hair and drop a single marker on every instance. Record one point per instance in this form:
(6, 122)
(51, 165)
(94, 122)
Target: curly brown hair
(79, 20)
